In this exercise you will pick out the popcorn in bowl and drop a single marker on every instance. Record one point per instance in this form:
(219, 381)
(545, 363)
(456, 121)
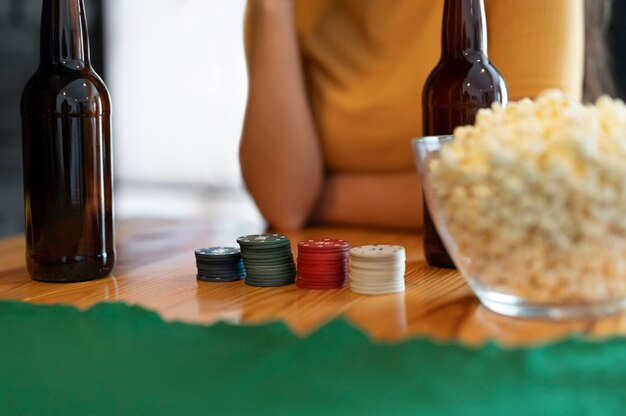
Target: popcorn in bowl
(534, 198)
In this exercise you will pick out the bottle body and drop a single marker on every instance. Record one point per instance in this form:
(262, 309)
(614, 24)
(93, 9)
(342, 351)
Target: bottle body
(463, 82)
(68, 188)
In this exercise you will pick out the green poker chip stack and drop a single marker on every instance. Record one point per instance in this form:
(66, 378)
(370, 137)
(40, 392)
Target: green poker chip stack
(268, 260)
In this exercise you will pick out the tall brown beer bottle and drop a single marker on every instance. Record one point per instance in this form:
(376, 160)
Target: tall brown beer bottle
(463, 82)
(66, 135)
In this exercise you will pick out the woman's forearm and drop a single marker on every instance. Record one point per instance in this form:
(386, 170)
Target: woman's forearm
(393, 200)
(280, 155)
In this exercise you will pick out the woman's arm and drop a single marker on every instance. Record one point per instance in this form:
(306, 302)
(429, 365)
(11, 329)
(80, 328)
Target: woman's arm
(391, 200)
(281, 159)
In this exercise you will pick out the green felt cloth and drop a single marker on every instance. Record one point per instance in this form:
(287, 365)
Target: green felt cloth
(119, 360)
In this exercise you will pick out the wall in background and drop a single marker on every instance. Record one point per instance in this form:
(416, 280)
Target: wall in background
(19, 49)
(178, 81)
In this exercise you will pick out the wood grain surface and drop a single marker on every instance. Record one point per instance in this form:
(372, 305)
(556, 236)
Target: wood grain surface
(156, 269)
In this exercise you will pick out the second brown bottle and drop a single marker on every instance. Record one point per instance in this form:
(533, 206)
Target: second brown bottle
(463, 82)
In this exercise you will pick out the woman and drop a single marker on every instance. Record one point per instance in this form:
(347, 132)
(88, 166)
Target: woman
(335, 97)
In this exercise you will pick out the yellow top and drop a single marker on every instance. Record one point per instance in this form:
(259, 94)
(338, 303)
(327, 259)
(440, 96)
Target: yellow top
(366, 61)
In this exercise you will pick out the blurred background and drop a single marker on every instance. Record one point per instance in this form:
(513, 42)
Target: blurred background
(176, 71)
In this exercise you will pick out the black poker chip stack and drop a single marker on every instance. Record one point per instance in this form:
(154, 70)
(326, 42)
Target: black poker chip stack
(220, 264)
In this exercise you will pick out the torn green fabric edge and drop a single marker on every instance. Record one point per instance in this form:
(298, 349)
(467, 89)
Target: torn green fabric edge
(115, 359)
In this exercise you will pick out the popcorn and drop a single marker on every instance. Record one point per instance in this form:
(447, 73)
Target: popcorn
(535, 195)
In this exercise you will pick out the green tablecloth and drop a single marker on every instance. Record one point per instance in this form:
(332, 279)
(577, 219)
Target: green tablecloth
(116, 359)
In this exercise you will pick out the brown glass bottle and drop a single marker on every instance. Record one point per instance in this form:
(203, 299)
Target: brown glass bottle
(463, 82)
(66, 134)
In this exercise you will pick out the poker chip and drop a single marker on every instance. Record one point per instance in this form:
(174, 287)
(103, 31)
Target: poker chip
(263, 241)
(323, 264)
(219, 264)
(268, 260)
(377, 269)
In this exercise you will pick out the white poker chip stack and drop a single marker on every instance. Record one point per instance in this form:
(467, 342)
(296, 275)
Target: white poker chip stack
(377, 269)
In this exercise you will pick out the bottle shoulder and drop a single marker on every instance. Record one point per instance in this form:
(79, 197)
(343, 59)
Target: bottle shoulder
(462, 70)
(65, 93)
(475, 81)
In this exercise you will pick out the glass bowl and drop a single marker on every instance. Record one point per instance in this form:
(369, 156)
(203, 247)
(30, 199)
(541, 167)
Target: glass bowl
(533, 279)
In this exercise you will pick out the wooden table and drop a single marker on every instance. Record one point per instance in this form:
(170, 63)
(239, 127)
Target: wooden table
(156, 269)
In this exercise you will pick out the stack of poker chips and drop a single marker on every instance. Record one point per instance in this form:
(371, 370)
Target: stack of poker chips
(268, 260)
(323, 264)
(377, 269)
(219, 264)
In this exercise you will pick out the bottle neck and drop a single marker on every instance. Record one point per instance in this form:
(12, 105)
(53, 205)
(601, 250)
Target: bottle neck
(64, 35)
(464, 29)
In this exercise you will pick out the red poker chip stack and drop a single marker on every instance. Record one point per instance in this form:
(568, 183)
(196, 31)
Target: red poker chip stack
(323, 264)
